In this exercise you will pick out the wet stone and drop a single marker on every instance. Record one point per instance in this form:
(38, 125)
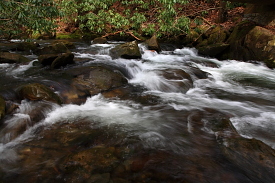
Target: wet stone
(98, 159)
(97, 80)
(36, 91)
(2, 107)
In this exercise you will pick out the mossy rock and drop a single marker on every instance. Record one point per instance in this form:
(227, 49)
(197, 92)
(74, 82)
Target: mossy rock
(2, 107)
(56, 47)
(217, 35)
(236, 40)
(261, 42)
(68, 36)
(240, 31)
(36, 91)
(192, 37)
(213, 50)
(6, 57)
(129, 50)
(67, 43)
(27, 46)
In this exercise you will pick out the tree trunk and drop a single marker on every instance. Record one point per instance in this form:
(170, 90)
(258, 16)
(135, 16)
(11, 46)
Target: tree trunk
(222, 13)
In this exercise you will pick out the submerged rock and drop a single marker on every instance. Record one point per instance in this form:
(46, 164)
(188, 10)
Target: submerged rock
(2, 107)
(180, 79)
(6, 57)
(128, 50)
(36, 91)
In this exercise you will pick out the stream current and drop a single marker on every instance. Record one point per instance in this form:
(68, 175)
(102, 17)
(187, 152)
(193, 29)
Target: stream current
(171, 139)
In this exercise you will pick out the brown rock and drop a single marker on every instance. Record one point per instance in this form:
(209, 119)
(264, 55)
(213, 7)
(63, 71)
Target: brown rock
(36, 91)
(6, 57)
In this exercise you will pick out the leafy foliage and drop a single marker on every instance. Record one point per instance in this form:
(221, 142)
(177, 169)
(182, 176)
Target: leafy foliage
(27, 16)
(137, 16)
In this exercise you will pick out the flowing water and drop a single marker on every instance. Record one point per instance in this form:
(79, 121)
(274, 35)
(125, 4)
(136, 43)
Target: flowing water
(170, 138)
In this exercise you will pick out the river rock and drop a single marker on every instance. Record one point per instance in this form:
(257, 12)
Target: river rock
(56, 60)
(2, 107)
(47, 59)
(68, 44)
(98, 159)
(131, 93)
(56, 47)
(6, 57)
(100, 40)
(236, 40)
(180, 79)
(63, 60)
(213, 50)
(128, 50)
(27, 46)
(153, 44)
(261, 43)
(251, 153)
(94, 80)
(21, 46)
(36, 91)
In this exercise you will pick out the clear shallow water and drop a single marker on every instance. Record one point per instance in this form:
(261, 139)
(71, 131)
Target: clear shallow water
(244, 92)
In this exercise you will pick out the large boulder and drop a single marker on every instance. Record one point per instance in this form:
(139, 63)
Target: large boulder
(128, 50)
(56, 47)
(36, 91)
(47, 59)
(2, 107)
(94, 80)
(250, 42)
(250, 153)
(213, 50)
(6, 57)
(261, 43)
(63, 60)
(237, 50)
(215, 35)
(56, 60)
(21, 46)
(153, 44)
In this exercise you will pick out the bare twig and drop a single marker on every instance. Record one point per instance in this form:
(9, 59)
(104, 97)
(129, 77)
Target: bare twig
(130, 33)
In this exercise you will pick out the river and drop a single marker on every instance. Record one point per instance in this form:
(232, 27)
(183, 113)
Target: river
(211, 127)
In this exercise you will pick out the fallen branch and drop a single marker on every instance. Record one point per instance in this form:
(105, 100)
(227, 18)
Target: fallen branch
(118, 32)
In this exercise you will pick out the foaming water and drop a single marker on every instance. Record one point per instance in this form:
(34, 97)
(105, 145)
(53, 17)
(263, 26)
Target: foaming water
(243, 90)
(240, 89)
